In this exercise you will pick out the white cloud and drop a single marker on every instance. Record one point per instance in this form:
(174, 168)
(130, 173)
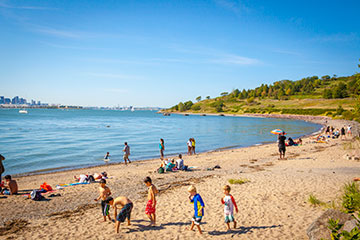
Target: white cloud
(235, 60)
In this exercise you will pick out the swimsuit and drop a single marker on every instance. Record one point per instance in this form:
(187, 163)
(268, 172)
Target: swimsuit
(149, 208)
(198, 209)
(125, 212)
(230, 203)
(105, 207)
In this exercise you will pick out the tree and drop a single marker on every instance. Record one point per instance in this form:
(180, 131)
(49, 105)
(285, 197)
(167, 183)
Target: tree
(198, 99)
(207, 97)
(236, 93)
(326, 77)
(188, 105)
(181, 107)
(218, 105)
(288, 92)
(223, 94)
(327, 94)
(340, 91)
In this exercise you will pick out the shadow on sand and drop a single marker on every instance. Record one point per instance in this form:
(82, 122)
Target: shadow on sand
(241, 230)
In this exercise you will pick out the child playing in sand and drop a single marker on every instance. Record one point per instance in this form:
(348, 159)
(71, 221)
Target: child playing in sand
(11, 187)
(198, 208)
(105, 199)
(126, 207)
(230, 203)
(151, 204)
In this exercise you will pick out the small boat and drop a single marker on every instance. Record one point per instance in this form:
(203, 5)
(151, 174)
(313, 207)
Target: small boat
(23, 111)
(186, 114)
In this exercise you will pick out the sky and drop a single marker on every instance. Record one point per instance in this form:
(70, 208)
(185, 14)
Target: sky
(158, 53)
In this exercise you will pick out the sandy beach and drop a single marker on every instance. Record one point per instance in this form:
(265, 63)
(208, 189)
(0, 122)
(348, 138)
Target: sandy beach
(272, 205)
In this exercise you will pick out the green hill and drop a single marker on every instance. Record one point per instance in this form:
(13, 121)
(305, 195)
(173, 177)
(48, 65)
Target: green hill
(332, 96)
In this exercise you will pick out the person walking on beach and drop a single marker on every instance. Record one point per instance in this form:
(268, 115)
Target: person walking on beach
(229, 202)
(189, 146)
(151, 204)
(193, 146)
(2, 169)
(281, 145)
(198, 208)
(126, 151)
(105, 199)
(162, 148)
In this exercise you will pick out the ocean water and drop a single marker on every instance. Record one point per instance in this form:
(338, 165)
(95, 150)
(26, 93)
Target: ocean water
(58, 139)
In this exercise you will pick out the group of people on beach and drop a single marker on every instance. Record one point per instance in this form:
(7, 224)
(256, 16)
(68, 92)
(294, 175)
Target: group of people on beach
(125, 206)
(191, 146)
(330, 131)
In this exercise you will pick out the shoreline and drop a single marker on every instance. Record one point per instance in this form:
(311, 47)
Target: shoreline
(225, 148)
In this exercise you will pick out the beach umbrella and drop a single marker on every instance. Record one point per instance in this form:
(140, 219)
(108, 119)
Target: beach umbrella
(277, 131)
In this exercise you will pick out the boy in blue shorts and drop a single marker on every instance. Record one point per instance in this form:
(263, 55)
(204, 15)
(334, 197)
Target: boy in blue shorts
(198, 208)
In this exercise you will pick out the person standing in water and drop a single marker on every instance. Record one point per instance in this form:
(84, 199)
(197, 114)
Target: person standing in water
(126, 151)
(193, 145)
(162, 148)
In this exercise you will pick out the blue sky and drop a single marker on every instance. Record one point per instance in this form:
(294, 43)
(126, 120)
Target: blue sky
(158, 53)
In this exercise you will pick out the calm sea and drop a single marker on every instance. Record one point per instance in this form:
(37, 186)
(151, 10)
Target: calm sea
(51, 139)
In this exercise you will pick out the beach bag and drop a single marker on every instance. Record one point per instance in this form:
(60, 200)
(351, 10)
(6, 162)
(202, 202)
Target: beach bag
(36, 195)
(161, 170)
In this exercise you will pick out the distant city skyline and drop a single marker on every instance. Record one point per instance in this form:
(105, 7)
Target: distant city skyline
(19, 101)
(158, 53)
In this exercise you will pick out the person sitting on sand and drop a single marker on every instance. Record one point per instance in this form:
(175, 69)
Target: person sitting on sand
(169, 167)
(105, 199)
(2, 169)
(299, 141)
(11, 187)
(151, 203)
(180, 163)
(229, 202)
(291, 142)
(126, 207)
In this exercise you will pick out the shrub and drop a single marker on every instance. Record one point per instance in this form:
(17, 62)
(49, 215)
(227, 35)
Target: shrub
(196, 107)
(351, 197)
(314, 201)
(336, 234)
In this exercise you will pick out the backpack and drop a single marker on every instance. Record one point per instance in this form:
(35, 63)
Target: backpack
(36, 195)
(161, 170)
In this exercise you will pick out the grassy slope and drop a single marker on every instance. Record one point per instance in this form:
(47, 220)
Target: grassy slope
(313, 101)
